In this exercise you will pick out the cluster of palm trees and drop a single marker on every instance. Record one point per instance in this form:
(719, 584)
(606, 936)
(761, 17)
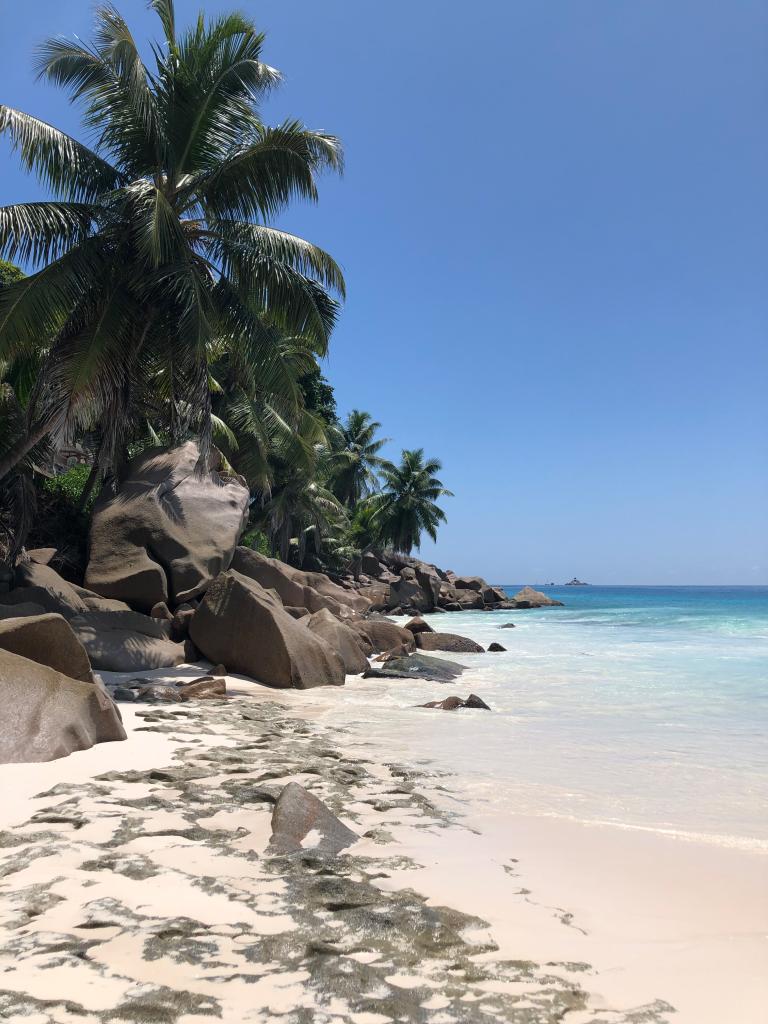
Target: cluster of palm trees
(162, 304)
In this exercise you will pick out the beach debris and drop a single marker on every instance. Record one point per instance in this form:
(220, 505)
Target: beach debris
(300, 821)
(447, 642)
(455, 703)
(496, 647)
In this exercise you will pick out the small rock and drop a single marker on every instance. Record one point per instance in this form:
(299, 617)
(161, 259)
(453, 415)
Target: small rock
(123, 693)
(205, 688)
(297, 814)
(161, 611)
(453, 703)
(507, 625)
(473, 701)
(496, 647)
(418, 625)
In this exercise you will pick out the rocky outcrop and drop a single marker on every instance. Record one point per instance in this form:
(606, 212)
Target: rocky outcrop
(341, 638)
(447, 642)
(46, 715)
(168, 531)
(243, 626)
(530, 598)
(126, 641)
(469, 583)
(385, 636)
(50, 589)
(311, 590)
(49, 640)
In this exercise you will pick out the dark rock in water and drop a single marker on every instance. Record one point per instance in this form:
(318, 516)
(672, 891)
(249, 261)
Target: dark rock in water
(576, 582)
(416, 666)
(299, 814)
(418, 625)
(46, 715)
(447, 642)
(455, 703)
(496, 647)
(452, 606)
(47, 639)
(507, 625)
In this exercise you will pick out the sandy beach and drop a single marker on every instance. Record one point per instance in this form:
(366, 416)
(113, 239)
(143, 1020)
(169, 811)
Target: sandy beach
(137, 884)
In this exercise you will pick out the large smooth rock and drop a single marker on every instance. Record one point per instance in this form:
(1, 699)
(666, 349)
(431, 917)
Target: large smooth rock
(447, 642)
(469, 599)
(49, 640)
(168, 531)
(19, 609)
(341, 638)
(240, 624)
(530, 598)
(377, 594)
(493, 595)
(46, 715)
(123, 641)
(418, 625)
(63, 595)
(302, 822)
(311, 590)
(430, 582)
(408, 593)
(469, 583)
(384, 635)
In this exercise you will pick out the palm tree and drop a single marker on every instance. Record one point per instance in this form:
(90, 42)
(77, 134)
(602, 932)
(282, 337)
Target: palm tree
(156, 248)
(406, 505)
(358, 459)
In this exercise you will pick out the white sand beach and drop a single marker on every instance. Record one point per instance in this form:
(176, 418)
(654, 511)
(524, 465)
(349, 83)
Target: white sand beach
(94, 871)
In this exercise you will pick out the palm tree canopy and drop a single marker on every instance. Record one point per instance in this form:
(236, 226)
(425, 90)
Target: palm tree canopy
(407, 507)
(358, 461)
(157, 242)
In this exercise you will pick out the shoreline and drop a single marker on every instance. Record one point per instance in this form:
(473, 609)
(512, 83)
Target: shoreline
(582, 899)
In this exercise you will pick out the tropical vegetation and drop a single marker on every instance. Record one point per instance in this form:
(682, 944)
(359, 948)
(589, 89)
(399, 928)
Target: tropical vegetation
(161, 302)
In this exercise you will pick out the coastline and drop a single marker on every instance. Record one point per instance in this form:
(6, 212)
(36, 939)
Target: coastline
(609, 924)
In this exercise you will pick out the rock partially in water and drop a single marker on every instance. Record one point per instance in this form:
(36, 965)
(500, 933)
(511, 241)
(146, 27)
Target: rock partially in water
(496, 647)
(454, 703)
(447, 642)
(416, 666)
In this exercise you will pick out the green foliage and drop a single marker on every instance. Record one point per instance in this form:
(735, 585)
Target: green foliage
(155, 257)
(318, 395)
(9, 273)
(61, 523)
(406, 506)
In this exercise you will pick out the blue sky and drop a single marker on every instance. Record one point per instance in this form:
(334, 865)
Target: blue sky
(553, 225)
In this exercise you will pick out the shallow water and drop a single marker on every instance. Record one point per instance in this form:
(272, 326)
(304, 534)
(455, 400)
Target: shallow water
(635, 706)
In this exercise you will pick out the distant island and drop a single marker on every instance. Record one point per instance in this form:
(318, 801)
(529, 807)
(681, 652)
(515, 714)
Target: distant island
(575, 582)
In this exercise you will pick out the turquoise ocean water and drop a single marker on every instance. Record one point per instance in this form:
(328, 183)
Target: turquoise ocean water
(641, 707)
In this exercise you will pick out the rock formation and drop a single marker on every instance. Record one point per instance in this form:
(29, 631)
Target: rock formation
(168, 531)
